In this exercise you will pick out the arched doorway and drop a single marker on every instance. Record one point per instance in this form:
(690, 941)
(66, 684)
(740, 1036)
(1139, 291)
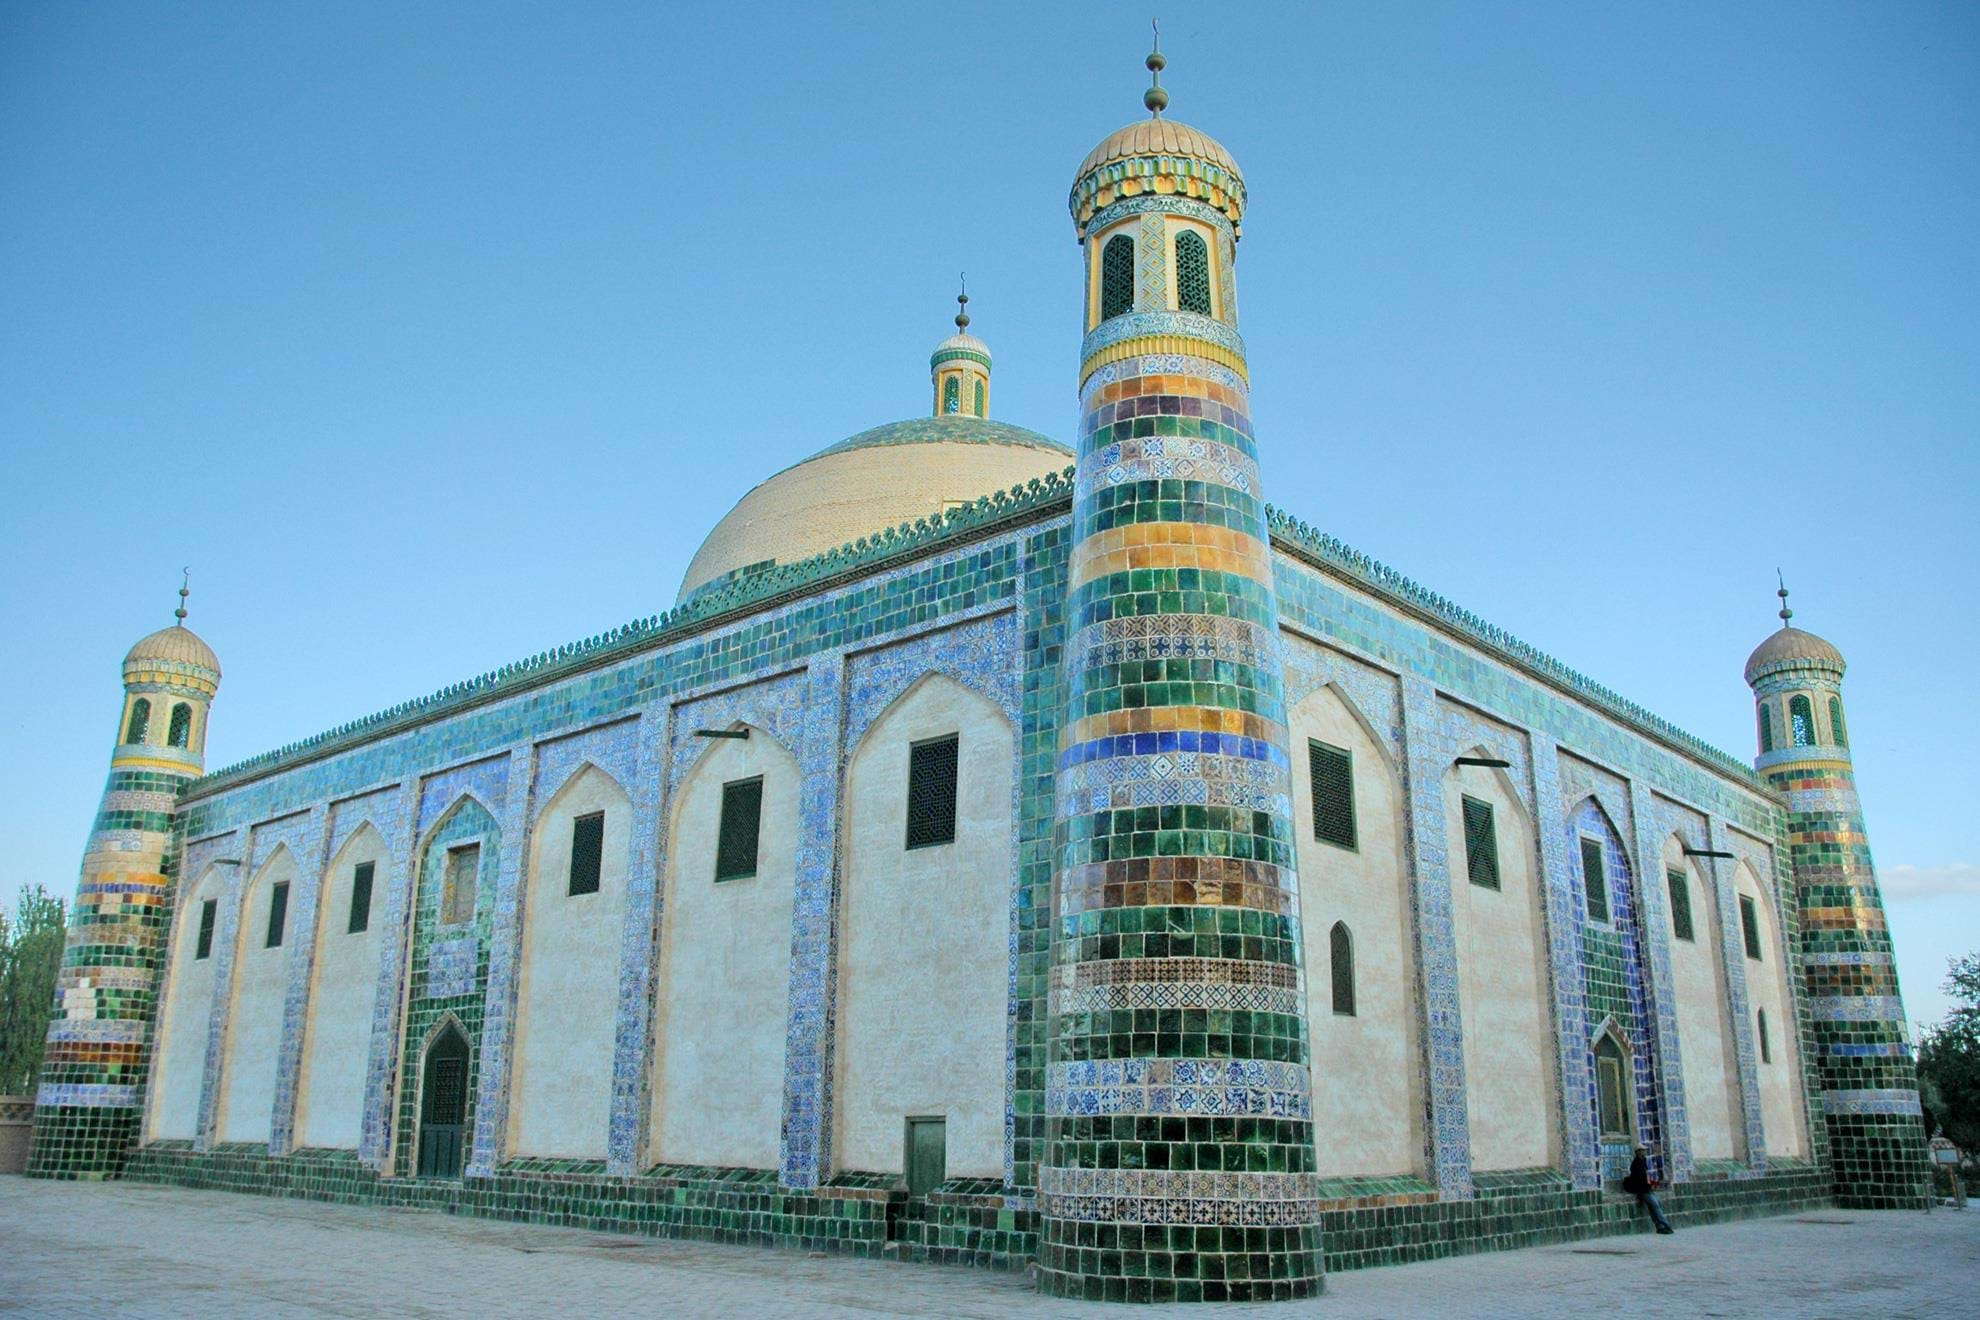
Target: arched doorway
(443, 1104)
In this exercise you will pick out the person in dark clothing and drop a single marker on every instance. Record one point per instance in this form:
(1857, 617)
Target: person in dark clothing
(1638, 1184)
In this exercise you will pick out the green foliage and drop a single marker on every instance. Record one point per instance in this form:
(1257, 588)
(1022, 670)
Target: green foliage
(1949, 1059)
(30, 955)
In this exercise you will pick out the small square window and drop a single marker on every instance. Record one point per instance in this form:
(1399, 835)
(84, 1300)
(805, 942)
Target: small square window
(1749, 927)
(462, 878)
(1680, 905)
(1330, 773)
(1481, 843)
(204, 947)
(1594, 880)
(361, 898)
(741, 829)
(932, 792)
(278, 913)
(587, 852)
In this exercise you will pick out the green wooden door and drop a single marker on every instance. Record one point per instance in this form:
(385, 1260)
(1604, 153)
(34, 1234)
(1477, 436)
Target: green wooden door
(927, 1154)
(443, 1106)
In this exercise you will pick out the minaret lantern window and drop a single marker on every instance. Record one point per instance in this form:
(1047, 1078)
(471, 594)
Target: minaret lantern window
(1192, 273)
(139, 722)
(1801, 721)
(1117, 277)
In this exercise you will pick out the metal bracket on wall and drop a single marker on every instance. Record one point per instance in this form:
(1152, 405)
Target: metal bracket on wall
(721, 733)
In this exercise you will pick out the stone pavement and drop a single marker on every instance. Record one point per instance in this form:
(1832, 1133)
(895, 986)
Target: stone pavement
(91, 1249)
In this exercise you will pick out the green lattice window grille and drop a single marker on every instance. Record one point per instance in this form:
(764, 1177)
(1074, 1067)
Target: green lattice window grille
(1612, 1087)
(203, 947)
(463, 876)
(1801, 721)
(1836, 734)
(1481, 843)
(140, 721)
(278, 913)
(179, 732)
(1749, 927)
(932, 792)
(1680, 905)
(927, 1155)
(1766, 727)
(1192, 273)
(1117, 277)
(1330, 772)
(1340, 964)
(740, 828)
(981, 400)
(1594, 881)
(1766, 1046)
(361, 879)
(952, 395)
(587, 853)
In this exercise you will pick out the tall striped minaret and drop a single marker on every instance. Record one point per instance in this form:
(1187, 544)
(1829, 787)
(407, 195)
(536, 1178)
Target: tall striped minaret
(1179, 1154)
(1858, 1045)
(92, 1077)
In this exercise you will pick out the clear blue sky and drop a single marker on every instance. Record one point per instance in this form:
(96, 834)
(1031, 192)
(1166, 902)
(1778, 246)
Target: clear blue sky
(434, 335)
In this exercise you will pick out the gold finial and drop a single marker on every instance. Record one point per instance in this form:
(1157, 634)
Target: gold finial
(962, 303)
(185, 584)
(1155, 98)
(1786, 613)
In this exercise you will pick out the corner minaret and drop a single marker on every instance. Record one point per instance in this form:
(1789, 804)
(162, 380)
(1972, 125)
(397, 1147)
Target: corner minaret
(87, 1106)
(1179, 1139)
(960, 369)
(1857, 1044)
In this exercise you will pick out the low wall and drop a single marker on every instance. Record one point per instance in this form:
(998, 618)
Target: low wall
(16, 1129)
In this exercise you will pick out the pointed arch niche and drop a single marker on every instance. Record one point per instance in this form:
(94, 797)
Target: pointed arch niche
(179, 1057)
(1368, 1110)
(722, 1008)
(260, 995)
(1512, 1091)
(923, 986)
(1767, 991)
(343, 992)
(1704, 1021)
(567, 1002)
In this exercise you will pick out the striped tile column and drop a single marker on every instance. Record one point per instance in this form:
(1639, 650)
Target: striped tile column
(1179, 1160)
(1858, 1045)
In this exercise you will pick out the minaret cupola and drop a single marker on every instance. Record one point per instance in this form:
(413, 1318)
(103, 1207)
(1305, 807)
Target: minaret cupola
(960, 369)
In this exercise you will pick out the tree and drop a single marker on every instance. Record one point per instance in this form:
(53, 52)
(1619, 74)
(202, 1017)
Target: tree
(30, 956)
(1949, 1059)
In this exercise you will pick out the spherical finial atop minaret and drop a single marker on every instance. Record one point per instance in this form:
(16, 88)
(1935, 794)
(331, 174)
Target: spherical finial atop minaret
(1155, 98)
(960, 368)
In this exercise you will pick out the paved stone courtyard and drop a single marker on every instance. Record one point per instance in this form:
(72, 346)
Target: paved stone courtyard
(92, 1249)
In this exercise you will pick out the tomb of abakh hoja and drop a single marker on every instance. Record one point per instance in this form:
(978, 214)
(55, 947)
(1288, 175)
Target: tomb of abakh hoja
(1013, 853)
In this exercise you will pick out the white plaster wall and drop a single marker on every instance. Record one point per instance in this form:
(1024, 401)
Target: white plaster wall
(343, 991)
(1503, 989)
(1367, 1088)
(567, 1000)
(254, 1026)
(181, 1054)
(923, 942)
(1711, 1071)
(1766, 987)
(723, 1002)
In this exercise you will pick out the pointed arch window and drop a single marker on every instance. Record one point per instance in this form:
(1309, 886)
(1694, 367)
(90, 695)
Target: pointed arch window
(1836, 735)
(981, 400)
(139, 722)
(952, 395)
(1766, 727)
(1801, 721)
(1117, 277)
(1612, 1087)
(1594, 880)
(179, 732)
(1680, 905)
(1192, 273)
(1340, 960)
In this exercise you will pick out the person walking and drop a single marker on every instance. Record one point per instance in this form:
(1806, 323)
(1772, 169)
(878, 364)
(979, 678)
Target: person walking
(1638, 1184)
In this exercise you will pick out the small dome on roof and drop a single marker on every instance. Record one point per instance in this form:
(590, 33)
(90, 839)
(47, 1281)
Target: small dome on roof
(177, 644)
(957, 344)
(1158, 137)
(1793, 647)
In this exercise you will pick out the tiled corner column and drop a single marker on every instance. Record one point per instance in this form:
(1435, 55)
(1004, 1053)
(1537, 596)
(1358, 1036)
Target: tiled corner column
(1651, 827)
(1739, 1001)
(310, 865)
(1566, 911)
(498, 1023)
(632, 1041)
(381, 1078)
(1179, 1160)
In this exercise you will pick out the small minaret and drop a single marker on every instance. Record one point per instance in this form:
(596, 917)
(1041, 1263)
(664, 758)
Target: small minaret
(1179, 1160)
(1857, 1044)
(87, 1106)
(960, 369)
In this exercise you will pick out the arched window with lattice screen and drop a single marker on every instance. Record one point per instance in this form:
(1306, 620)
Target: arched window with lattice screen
(952, 395)
(1836, 734)
(981, 400)
(1801, 721)
(139, 722)
(179, 732)
(1117, 277)
(1192, 273)
(1766, 727)
(1340, 958)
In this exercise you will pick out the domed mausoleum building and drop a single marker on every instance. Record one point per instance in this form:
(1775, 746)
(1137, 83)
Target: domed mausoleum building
(1015, 853)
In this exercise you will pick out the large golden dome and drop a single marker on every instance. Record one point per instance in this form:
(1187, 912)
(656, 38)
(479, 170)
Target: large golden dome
(1158, 137)
(177, 645)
